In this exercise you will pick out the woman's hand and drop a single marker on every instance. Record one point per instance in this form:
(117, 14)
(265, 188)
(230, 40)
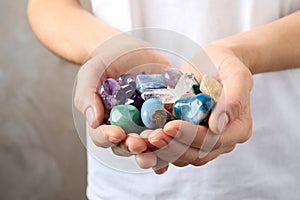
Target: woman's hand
(230, 123)
(120, 58)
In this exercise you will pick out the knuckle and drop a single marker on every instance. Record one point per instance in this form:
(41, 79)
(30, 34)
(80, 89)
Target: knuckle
(235, 107)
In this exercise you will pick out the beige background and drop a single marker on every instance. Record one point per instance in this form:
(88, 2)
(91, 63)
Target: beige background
(41, 156)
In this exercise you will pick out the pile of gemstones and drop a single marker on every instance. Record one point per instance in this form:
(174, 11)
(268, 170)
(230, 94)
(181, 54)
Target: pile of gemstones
(149, 101)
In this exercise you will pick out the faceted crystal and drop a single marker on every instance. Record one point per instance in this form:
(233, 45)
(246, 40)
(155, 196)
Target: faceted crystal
(164, 95)
(211, 87)
(171, 76)
(184, 85)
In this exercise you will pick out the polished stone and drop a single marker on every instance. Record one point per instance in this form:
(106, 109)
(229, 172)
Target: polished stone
(148, 108)
(193, 109)
(127, 117)
(169, 107)
(210, 86)
(161, 117)
(171, 76)
(145, 82)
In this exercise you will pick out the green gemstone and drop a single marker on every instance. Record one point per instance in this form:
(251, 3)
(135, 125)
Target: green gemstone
(128, 118)
(196, 87)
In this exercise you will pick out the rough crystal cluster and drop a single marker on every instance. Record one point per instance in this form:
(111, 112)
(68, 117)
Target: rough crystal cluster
(152, 100)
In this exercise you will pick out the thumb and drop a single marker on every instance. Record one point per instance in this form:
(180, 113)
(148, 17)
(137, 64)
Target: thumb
(237, 85)
(86, 100)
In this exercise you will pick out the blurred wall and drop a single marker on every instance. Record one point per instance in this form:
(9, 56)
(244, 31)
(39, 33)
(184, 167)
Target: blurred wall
(41, 156)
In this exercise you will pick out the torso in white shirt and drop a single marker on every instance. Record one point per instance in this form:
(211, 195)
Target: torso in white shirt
(267, 166)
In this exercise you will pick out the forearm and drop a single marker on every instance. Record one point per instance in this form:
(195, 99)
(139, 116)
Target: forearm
(271, 47)
(67, 29)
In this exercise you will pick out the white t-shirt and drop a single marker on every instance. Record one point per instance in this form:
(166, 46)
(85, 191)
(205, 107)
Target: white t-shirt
(265, 167)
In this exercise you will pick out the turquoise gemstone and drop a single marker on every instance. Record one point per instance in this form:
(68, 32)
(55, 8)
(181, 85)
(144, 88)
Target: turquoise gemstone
(193, 109)
(128, 118)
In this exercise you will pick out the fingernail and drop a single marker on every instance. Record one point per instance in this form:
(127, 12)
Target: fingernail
(223, 121)
(90, 116)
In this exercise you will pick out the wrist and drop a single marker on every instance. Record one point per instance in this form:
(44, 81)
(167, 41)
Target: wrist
(247, 50)
(116, 46)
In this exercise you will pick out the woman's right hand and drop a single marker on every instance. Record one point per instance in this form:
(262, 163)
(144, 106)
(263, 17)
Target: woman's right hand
(121, 55)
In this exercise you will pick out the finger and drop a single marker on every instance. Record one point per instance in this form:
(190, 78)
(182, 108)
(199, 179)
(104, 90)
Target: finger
(190, 134)
(86, 99)
(146, 160)
(135, 143)
(176, 151)
(180, 163)
(106, 136)
(212, 155)
(160, 167)
(237, 132)
(237, 83)
(158, 139)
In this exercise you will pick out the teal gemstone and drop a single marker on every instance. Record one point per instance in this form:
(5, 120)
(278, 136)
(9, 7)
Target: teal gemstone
(128, 118)
(193, 109)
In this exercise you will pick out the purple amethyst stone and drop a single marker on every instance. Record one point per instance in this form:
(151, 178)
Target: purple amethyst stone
(126, 79)
(137, 100)
(171, 76)
(108, 92)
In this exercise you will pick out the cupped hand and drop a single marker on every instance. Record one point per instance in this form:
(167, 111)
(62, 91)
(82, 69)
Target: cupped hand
(230, 123)
(122, 55)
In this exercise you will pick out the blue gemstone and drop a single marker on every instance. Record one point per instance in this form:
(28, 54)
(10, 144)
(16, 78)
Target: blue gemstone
(194, 109)
(147, 111)
(149, 81)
